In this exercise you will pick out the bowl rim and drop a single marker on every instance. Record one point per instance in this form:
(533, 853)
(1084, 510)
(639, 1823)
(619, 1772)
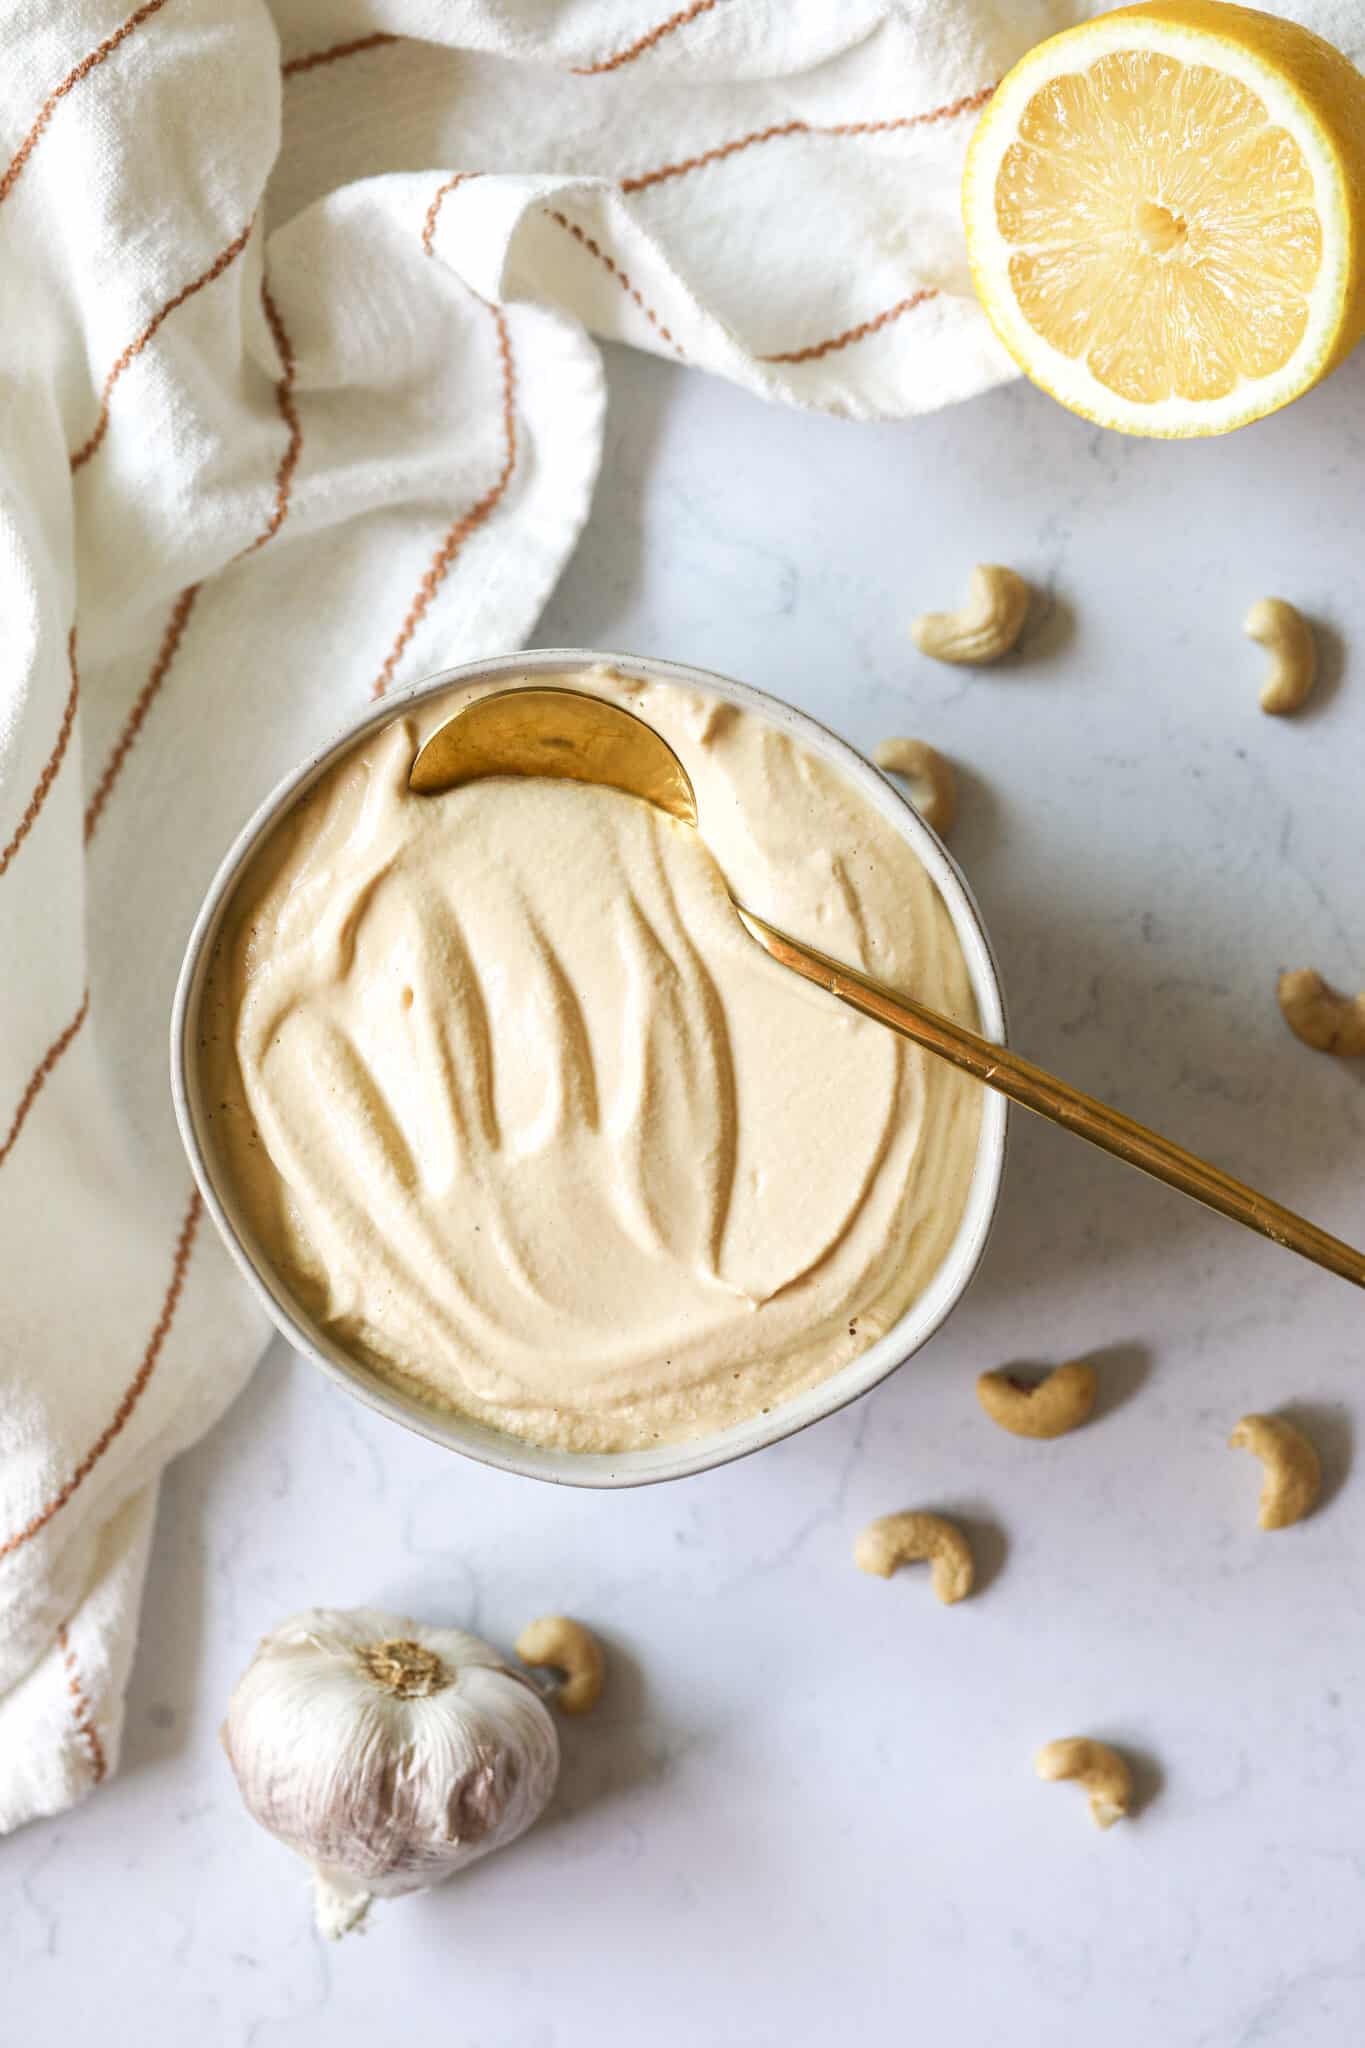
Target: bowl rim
(602, 1470)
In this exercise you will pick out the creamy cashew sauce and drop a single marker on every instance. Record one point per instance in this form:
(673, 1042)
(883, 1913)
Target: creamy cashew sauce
(522, 1116)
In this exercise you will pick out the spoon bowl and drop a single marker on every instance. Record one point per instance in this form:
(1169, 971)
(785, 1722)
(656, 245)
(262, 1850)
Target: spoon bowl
(547, 730)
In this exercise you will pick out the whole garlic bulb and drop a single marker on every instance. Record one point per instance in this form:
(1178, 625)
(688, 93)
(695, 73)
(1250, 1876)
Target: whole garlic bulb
(386, 1753)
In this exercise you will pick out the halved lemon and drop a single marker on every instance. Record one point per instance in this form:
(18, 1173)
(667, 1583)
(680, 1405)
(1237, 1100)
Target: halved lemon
(1165, 209)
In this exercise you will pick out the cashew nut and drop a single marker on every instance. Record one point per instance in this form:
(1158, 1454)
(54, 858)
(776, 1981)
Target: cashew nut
(987, 626)
(1294, 664)
(566, 1646)
(1293, 1472)
(933, 785)
(901, 1539)
(1060, 1401)
(1099, 1768)
(1320, 1015)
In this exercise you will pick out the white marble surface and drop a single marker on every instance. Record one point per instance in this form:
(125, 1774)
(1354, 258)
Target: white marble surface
(807, 1810)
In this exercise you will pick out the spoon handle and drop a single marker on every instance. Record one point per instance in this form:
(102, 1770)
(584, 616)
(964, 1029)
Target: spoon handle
(1033, 1088)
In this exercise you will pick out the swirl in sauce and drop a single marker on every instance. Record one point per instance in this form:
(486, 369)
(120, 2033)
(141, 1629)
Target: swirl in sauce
(521, 1115)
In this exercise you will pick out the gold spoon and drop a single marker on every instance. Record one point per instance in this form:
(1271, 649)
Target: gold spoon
(570, 734)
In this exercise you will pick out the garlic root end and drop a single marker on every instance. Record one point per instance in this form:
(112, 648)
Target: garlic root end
(339, 1903)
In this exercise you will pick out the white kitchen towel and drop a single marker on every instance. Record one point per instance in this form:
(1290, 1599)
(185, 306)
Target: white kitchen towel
(299, 403)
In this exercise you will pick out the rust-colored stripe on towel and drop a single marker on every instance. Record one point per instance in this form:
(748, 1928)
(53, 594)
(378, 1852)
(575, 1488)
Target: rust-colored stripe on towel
(10, 177)
(586, 241)
(335, 51)
(289, 413)
(646, 41)
(134, 1390)
(221, 262)
(54, 762)
(852, 334)
(947, 112)
(429, 224)
(142, 704)
(644, 179)
(39, 1076)
(470, 521)
(80, 1708)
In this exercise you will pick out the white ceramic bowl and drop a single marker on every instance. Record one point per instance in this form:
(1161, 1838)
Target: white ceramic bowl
(474, 1440)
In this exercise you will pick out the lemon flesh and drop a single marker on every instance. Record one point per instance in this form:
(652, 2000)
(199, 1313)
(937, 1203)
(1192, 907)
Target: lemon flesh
(1162, 210)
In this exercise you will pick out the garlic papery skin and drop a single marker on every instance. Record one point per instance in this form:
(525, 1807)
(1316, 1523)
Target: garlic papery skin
(386, 1753)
